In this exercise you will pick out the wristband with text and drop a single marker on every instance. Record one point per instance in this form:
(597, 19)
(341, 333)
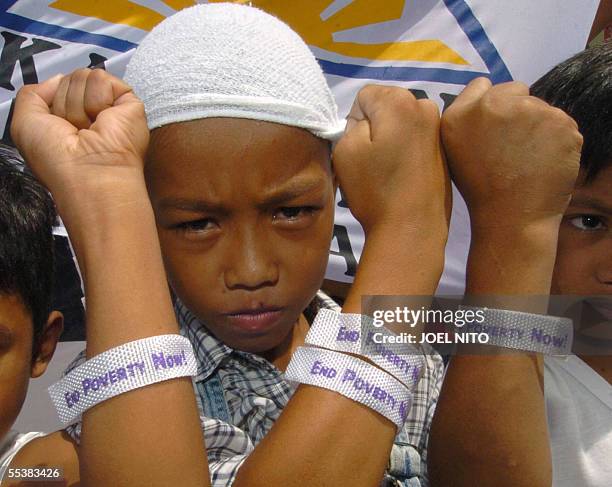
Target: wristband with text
(355, 333)
(121, 369)
(353, 378)
(550, 335)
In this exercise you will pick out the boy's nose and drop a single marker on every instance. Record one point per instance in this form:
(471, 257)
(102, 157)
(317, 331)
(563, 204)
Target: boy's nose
(249, 262)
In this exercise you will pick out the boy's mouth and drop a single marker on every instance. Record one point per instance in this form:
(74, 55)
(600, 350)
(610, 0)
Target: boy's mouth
(255, 320)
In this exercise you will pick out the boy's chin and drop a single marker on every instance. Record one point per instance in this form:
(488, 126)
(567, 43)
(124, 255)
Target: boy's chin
(259, 345)
(263, 343)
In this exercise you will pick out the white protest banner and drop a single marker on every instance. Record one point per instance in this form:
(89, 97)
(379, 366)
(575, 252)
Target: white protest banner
(433, 47)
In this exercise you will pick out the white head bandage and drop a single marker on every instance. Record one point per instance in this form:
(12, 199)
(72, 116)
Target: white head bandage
(227, 60)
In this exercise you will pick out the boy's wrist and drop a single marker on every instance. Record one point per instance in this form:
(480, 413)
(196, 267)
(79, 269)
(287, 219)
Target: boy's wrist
(102, 192)
(413, 227)
(393, 243)
(106, 211)
(525, 237)
(400, 260)
(498, 217)
(512, 260)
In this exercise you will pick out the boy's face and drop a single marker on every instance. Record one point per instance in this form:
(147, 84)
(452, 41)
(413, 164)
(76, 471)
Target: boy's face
(245, 213)
(16, 331)
(584, 253)
(17, 363)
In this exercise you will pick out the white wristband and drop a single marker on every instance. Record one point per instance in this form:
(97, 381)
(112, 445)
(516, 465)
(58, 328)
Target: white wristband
(355, 333)
(551, 335)
(121, 369)
(353, 378)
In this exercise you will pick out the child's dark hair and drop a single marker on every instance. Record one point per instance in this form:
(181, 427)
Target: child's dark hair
(27, 215)
(582, 87)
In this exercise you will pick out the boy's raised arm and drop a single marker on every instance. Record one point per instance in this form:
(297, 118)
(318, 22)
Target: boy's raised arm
(391, 170)
(84, 136)
(514, 158)
(95, 173)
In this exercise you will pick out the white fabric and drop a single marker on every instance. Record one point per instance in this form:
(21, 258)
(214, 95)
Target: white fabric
(579, 409)
(545, 334)
(227, 60)
(12, 443)
(353, 378)
(355, 333)
(120, 369)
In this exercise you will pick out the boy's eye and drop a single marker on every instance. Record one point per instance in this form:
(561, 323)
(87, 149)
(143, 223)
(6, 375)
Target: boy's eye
(293, 213)
(196, 226)
(587, 222)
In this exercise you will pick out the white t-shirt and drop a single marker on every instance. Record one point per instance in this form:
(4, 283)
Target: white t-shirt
(579, 409)
(11, 444)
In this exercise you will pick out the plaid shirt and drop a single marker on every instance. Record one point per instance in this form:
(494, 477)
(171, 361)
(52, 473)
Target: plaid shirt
(240, 396)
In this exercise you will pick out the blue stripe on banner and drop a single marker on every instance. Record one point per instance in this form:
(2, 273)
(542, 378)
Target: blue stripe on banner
(397, 73)
(29, 26)
(479, 39)
(498, 71)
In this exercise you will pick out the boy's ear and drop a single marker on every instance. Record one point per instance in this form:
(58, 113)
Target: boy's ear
(47, 343)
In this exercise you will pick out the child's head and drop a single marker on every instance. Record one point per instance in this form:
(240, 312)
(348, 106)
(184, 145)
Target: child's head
(28, 330)
(238, 168)
(582, 87)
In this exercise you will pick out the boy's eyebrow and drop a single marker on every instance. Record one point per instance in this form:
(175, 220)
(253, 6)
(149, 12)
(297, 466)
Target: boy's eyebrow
(189, 205)
(293, 189)
(591, 202)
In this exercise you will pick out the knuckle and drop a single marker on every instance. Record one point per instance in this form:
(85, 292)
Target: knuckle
(369, 91)
(387, 93)
(519, 86)
(99, 75)
(398, 100)
(429, 107)
(82, 72)
(494, 104)
(579, 140)
(527, 104)
(562, 117)
(510, 88)
(399, 93)
(24, 93)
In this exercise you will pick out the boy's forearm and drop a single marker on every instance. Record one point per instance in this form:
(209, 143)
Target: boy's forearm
(115, 240)
(323, 438)
(114, 236)
(400, 259)
(490, 421)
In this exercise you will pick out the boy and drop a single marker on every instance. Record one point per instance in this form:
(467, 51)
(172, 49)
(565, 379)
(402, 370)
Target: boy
(575, 401)
(244, 212)
(29, 330)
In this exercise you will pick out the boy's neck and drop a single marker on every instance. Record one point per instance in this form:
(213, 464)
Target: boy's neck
(602, 364)
(281, 355)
